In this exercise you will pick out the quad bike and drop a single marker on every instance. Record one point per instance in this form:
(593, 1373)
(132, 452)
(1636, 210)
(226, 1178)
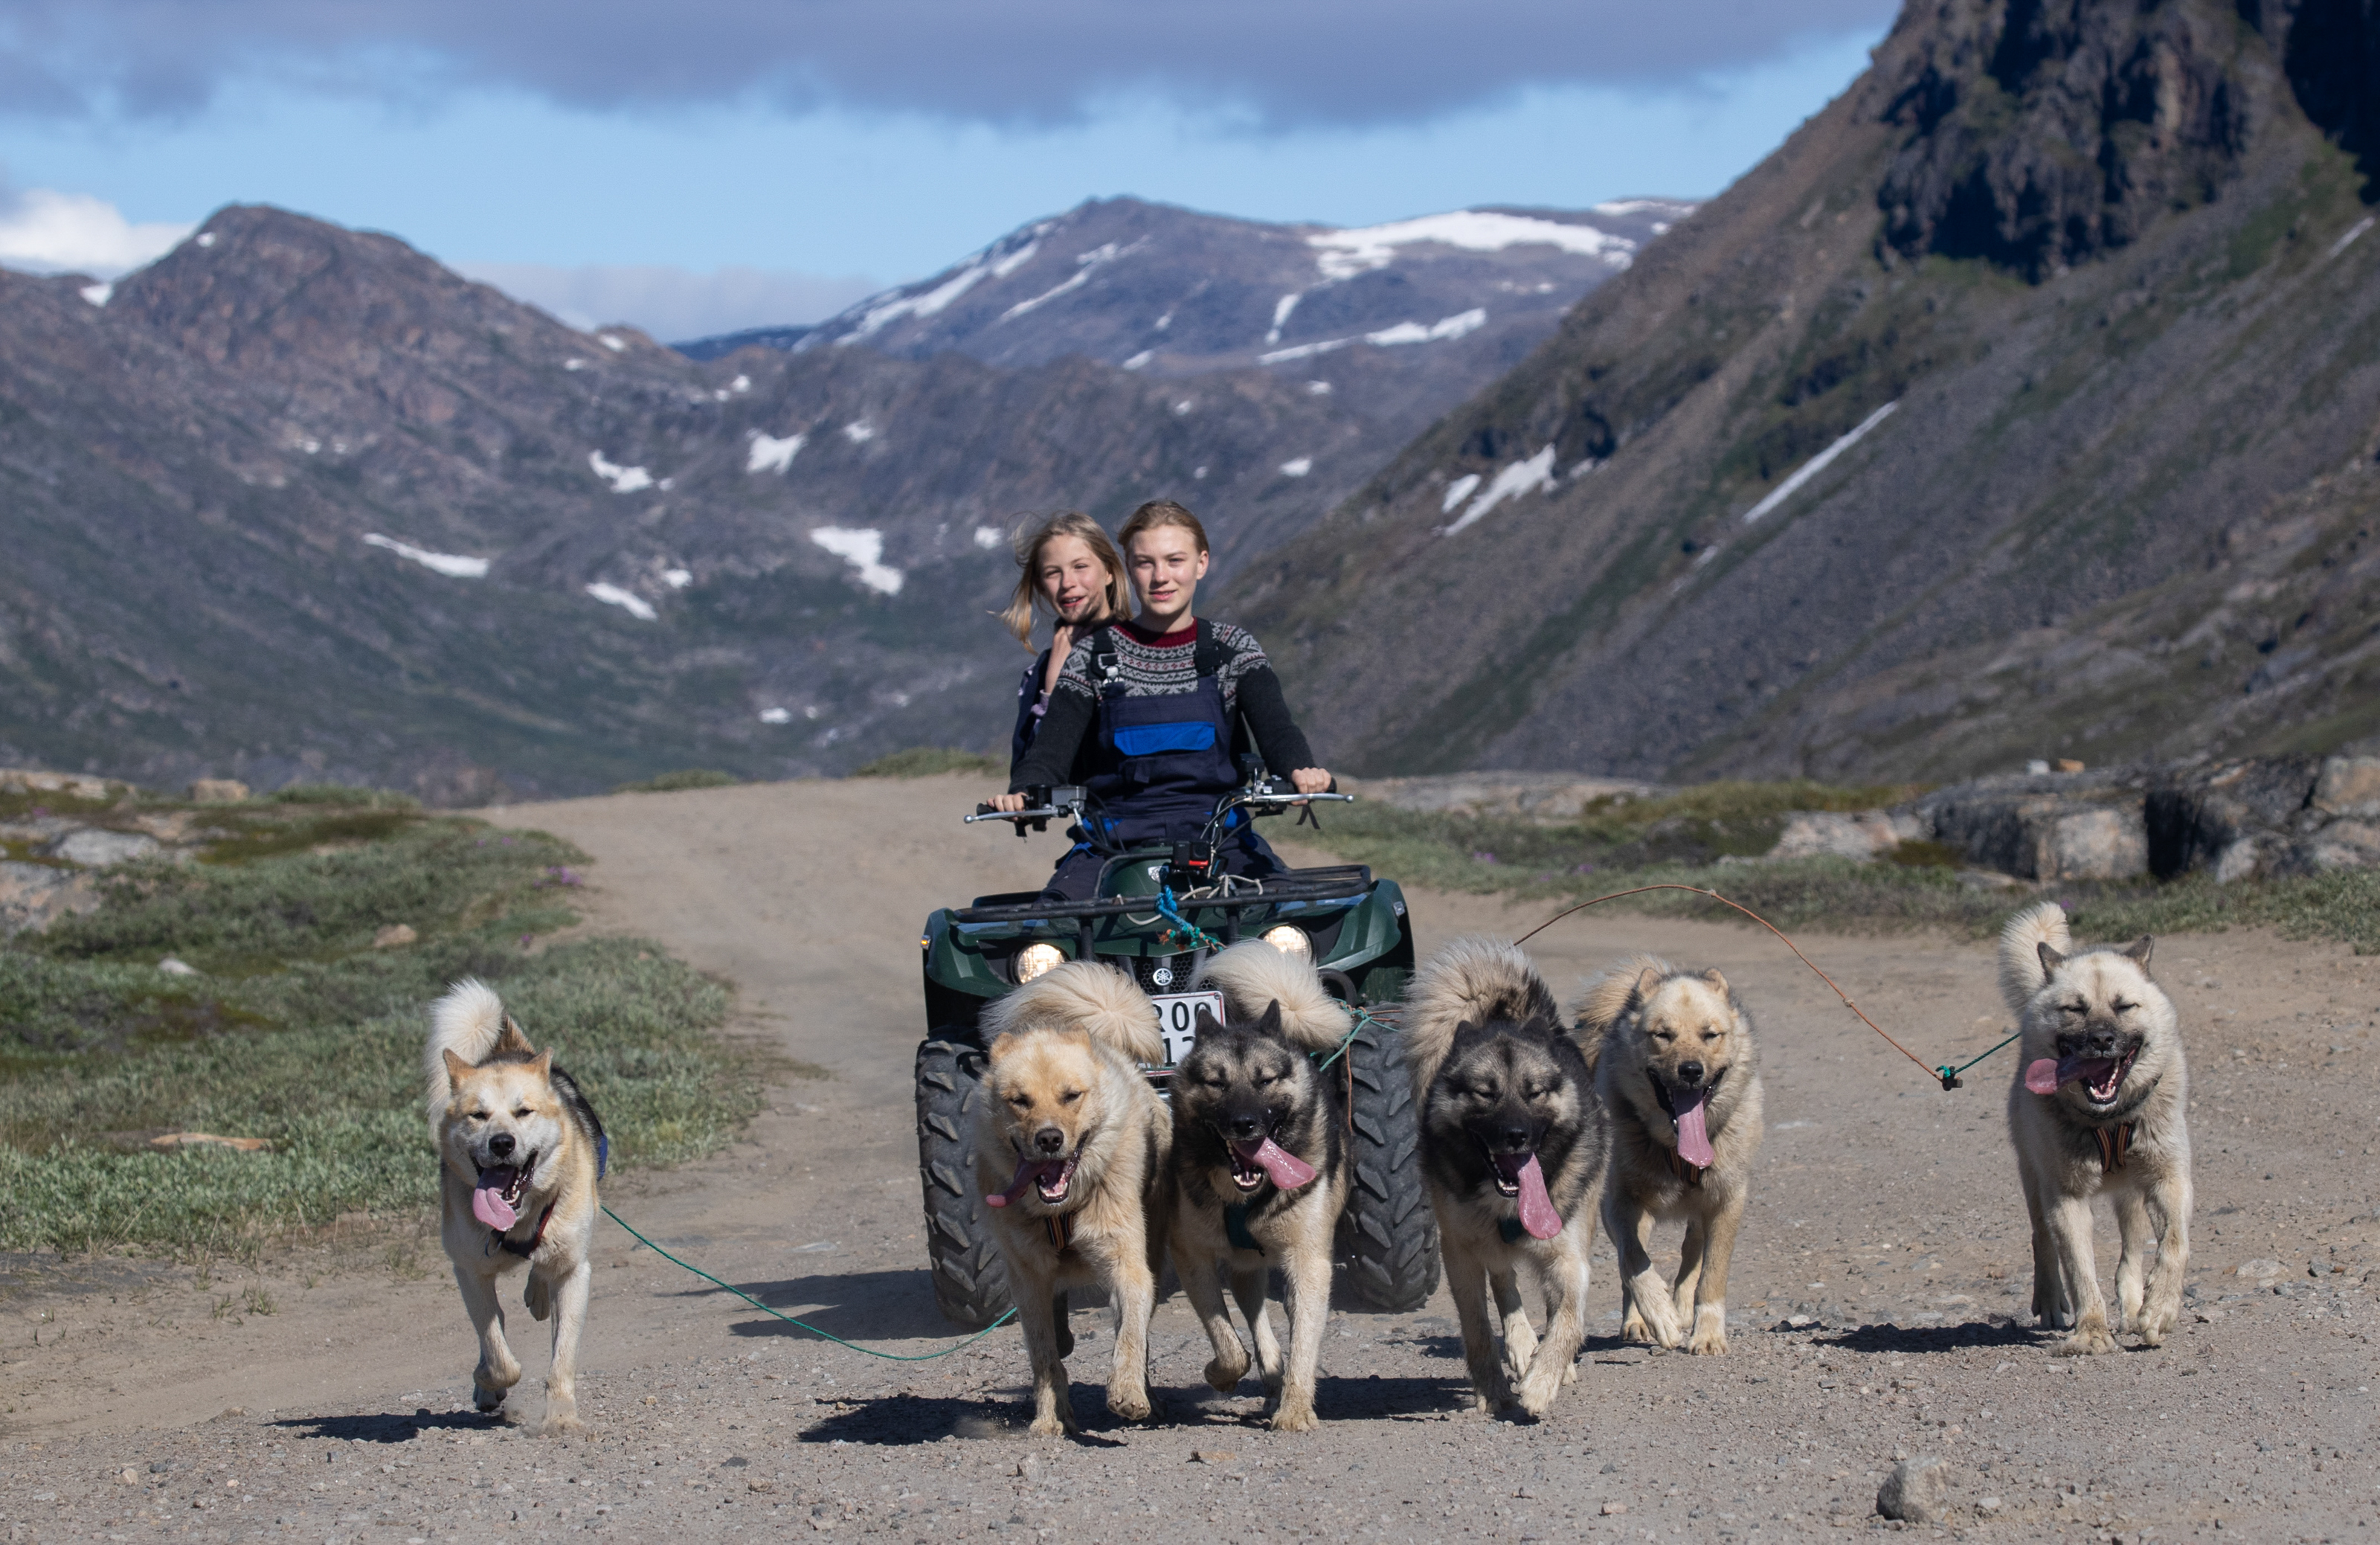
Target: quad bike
(1157, 913)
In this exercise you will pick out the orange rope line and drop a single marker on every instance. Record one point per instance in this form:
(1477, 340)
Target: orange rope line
(1696, 890)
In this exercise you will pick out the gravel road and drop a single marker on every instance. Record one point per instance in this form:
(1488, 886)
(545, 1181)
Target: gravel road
(1879, 1286)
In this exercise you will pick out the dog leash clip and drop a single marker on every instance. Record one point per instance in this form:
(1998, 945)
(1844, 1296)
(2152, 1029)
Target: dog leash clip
(1950, 1076)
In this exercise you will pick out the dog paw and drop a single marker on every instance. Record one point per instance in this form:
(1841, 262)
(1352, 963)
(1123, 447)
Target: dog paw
(561, 1427)
(1226, 1374)
(1295, 1416)
(1131, 1404)
(1050, 1427)
(2091, 1341)
(1709, 1343)
(1633, 1329)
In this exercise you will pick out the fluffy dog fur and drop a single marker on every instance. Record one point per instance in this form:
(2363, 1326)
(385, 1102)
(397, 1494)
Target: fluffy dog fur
(1511, 1130)
(1246, 1093)
(1074, 1140)
(506, 1119)
(1665, 1035)
(2097, 1018)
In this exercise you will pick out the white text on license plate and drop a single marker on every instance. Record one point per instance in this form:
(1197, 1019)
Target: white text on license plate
(1177, 1020)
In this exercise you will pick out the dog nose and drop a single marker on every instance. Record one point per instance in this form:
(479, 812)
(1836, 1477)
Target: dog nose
(501, 1145)
(1247, 1128)
(1689, 1074)
(1517, 1136)
(1050, 1141)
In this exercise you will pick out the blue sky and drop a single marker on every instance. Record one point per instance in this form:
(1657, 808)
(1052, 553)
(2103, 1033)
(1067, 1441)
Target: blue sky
(738, 178)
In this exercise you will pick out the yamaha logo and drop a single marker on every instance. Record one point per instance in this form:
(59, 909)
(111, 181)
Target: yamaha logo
(1162, 976)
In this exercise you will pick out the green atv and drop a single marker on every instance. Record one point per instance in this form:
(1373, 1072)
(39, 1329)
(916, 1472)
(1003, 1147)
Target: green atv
(1156, 913)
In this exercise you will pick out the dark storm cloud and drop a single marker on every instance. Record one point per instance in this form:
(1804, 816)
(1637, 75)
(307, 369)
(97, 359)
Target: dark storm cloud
(1001, 61)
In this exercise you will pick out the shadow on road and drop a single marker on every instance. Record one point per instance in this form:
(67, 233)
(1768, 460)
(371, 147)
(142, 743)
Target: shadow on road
(1931, 1338)
(390, 1428)
(861, 1306)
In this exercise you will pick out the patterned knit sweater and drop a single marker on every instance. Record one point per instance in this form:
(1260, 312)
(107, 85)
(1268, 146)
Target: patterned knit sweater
(1151, 664)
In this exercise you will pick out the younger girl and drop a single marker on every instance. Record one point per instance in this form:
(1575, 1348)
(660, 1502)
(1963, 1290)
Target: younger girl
(1154, 706)
(1066, 564)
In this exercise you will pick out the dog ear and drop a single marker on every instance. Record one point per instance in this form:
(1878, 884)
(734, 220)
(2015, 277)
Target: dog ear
(456, 1070)
(512, 1041)
(1204, 1021)
(1649, 981)
(1000, 1045)
(2051, 959)
(1717, 980)
(1270, 1024)
(541, 1066)
(2137, 952)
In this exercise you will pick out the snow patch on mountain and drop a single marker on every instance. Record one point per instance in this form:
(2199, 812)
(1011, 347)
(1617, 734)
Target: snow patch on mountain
(1516, 479)
(1297, 467)
(452, 564)
(864, 550)
(624, 480)
(1818, 464)
(1087, 263)
(629, 601)
(769, 454)
(1344, 254)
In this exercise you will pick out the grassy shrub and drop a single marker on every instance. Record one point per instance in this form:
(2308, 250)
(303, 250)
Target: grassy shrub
(300, 1032)
(684, 777)
(925, 761)
(1603, 854)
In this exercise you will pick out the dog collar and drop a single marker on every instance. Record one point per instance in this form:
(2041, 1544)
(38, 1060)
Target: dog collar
(504, 1242)
(1691, 1174)
(1059, 1226)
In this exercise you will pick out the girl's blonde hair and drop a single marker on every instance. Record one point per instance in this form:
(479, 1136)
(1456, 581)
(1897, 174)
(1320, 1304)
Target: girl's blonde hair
(1160, 511)
(1026, 600)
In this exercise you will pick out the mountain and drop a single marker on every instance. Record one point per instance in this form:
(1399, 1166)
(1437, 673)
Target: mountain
(2024, 402)
(297, 503)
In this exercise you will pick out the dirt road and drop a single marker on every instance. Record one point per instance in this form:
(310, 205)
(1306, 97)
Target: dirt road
(1875, 1286)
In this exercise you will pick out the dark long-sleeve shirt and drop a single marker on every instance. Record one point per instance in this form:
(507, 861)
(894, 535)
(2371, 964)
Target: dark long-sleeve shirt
(1149, 665)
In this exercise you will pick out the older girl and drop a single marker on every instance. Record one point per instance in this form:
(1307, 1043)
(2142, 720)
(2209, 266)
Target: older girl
(1068, 565)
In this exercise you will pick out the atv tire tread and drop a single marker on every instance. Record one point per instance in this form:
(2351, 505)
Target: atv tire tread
(971, 1280)
(1388, 1236)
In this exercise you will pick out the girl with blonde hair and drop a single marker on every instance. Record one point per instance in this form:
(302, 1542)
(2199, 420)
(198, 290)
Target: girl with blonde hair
(1067, 565)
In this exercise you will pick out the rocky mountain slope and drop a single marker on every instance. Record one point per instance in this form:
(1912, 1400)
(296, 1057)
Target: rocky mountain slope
(2023, 404)
(296, 501)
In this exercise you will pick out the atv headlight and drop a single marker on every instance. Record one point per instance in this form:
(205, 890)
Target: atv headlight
(1290, 940)
(1034, 959)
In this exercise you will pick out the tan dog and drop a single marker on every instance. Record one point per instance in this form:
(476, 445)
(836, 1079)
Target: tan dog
(1679, 1073)
(1259, 1167)
(2097, 1105)
(1070, 1150)
(1513, 1146)
(522, 1154)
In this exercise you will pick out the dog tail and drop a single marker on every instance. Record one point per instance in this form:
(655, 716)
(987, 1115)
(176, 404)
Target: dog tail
(1254, 976)
(1081, 995)
(2020, 970)
(1471, 981)
(469, 1022)
(1609, 995)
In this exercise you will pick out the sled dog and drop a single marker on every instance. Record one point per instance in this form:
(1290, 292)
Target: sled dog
(1513, 1148)
(1070, 1152)
(521, 1152)
(1259, 1167)
(2097, 1105)
(1676, 1069)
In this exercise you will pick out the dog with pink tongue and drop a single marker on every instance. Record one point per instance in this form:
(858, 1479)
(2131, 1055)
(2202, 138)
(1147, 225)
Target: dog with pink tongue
(1513, 1146)
(1677, 1067)
(1259, 1167)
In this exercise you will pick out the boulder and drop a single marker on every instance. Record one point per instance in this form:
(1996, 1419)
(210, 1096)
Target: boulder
(218, 791)
(34, 896)
(2348, 785)
(2045, 826)
(2100, 842)
(1862, 834)
(1917, 1491)
(22, 780)
(95, 847)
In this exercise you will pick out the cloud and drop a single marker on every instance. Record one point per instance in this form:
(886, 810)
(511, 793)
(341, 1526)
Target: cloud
(673, 304)
(1321, 62)
(49, 232)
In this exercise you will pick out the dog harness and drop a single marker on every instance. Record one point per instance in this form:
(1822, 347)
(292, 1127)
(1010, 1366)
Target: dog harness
(2115, 1142)
(1691, 1174)
(1059, 1227)
(1235, 1228)
(499, 1241)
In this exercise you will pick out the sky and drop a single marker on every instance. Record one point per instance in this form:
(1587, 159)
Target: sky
(722, 163)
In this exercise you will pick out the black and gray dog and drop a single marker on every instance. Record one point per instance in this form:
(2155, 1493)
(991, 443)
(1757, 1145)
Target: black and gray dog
(1514, 1145)
(1260, 1167)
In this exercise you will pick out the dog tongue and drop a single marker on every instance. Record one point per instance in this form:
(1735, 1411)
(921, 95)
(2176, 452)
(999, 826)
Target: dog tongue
(1027, 1172)
(1694, 1138)
(1538, 1215)
(2045, 1076)
(1287, 1170)
(487, 1202)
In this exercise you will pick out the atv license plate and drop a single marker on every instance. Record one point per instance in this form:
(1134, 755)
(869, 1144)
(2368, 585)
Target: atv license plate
(1177, 1020)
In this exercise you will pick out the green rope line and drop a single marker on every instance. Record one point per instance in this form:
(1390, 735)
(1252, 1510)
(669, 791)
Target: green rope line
(830, 1336)
(1363, 1017)
(1950, 1074)
(1167, 908)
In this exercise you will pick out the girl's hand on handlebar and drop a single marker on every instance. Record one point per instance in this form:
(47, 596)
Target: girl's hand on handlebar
(1008, 804)
(1310, 780)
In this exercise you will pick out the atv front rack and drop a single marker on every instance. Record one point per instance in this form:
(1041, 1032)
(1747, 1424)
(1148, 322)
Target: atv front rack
(1337, 883)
